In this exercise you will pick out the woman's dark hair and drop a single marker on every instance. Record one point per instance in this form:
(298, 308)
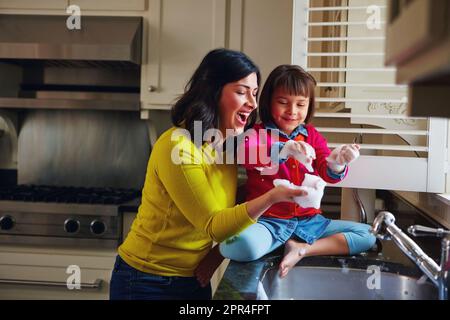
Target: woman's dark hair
(200, 101)
(295, 81)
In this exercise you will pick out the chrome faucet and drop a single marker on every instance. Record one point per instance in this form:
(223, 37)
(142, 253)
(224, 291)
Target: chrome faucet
(384, 228)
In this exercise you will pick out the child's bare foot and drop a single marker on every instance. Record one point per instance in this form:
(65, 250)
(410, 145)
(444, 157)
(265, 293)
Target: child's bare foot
(208, 266)
(293, 252)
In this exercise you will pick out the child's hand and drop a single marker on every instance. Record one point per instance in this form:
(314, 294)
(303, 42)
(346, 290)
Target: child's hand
(300, 151)
(342, 156)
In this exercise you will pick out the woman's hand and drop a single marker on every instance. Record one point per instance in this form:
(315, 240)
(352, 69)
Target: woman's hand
(286, 194)
(342, 156)
(258, 206)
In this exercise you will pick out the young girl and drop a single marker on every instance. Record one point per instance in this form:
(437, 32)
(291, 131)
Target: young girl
(287, 106)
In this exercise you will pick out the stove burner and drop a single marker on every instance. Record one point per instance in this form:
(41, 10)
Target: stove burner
(33, 193)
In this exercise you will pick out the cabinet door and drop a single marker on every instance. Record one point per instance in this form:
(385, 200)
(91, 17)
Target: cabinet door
(414, 26)
(43, 273)
(177, 35)
(33, 4)
(111, 5)
(263, 30)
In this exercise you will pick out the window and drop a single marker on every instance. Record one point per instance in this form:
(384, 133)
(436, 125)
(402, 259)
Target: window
(342, 43)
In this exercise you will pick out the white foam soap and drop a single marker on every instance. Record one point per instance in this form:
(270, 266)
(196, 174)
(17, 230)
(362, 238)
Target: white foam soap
(305, 158)
(312, 184)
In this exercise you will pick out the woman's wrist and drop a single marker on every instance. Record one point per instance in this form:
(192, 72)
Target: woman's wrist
(258, 206)
(271, 197)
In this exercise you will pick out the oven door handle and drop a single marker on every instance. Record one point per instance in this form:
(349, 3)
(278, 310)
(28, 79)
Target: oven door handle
(94, 285)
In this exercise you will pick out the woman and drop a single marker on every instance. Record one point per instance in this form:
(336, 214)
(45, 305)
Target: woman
(189, 203)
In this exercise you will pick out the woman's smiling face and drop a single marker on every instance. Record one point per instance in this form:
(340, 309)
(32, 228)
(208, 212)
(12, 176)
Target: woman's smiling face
(237, 102)
(288, 111)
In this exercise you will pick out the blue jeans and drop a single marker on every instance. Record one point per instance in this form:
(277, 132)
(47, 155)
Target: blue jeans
(270, 233)
(128, 283)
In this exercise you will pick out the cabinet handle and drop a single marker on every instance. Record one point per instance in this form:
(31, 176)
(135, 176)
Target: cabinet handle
(94, 285)
(152, 88)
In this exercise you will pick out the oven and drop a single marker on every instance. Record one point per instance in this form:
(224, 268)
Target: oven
(80, 152)
(53, 215)
(48, 232)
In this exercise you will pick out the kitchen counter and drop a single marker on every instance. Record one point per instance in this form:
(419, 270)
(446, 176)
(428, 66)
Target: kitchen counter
(240, 280)
(434, 206)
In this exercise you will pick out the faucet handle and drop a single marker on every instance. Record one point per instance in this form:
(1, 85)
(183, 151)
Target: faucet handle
(383, 219)
(422, 231)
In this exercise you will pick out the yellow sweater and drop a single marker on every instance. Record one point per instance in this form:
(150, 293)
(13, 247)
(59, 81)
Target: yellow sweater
(184, 207)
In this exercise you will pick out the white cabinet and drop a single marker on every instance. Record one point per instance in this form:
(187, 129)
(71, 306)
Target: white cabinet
(177, 35)
(426, 18)
(87, 7)
(263, 29)
(110, 5)
(33, 4)
(418, 44)
(41, 273)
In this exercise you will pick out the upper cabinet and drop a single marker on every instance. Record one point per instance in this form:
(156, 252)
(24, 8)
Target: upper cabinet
(111, 5)
(414, 27)
(99, 7)
(263, 29)
(418, 44)
(33, 4)
(177, 35)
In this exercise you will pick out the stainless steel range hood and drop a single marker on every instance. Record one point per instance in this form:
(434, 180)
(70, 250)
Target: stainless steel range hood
(47, 66)
(30, 37)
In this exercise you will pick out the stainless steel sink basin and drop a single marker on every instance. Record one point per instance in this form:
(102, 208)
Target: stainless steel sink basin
(330, 283)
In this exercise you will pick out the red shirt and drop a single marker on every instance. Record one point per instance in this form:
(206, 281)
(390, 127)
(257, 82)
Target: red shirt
(292, 170)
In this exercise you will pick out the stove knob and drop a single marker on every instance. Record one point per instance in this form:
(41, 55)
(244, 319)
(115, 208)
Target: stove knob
(7, 223)
(98, 227)
(71, 226)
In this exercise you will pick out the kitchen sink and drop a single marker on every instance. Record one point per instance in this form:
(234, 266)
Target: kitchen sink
(333, 283)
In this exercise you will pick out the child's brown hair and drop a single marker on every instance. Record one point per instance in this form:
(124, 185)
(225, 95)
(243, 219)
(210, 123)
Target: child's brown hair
(295, 81)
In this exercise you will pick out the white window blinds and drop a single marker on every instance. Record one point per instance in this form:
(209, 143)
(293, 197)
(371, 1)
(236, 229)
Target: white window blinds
(341, 43)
